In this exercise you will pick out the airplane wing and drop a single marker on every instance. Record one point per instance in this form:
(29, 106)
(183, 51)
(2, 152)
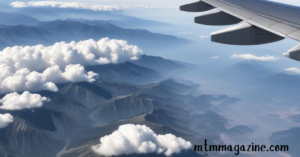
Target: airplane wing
(264, 21)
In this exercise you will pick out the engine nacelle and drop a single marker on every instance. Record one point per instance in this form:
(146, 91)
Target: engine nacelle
(196, 7)
(244, 34)
(293, 53)
(216, 17)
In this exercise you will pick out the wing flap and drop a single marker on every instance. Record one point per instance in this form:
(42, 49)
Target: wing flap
(263, 21)
(284, 28)
(295, 35)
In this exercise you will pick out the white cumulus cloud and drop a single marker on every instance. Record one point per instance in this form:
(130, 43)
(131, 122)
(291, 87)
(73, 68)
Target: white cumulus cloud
(34, 68)
(5, 119)
(15, 101)
(24, 79)
(76, 73)
(253, 57)
(80, 5)
(294, 70)
(88, 52)
(139, 139)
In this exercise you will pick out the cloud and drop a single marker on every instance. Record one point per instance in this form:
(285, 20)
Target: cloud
(86, 53)
(25, 80)
(57, 4)
(15, 101)
(72, 73)
(80, 5)
(214, 57)
(139, 139)
(186, 33)
(294, 70)
(5, 119)
(76, 73)
(203, 36)
(18, 4)
(287, 115)
(252, 57)
(20, 72)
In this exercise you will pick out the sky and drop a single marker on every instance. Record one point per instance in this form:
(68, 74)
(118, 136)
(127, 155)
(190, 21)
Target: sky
(291, 2)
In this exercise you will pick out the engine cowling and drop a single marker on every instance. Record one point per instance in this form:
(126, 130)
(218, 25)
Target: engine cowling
(216, 17)
(293, 53)
(244, 34)
(196, 7)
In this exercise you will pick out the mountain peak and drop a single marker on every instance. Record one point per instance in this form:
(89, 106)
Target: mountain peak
(17, 19)
(123, 107)
(85, 93)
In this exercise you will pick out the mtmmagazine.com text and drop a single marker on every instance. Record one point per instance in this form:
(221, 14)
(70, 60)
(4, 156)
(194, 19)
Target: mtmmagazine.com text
(241, 148)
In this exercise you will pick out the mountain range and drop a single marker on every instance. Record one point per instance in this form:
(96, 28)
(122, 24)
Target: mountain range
(261, 84)
(168, 66)
(125, 72)
(287, 137)
(11, 19)
(79, 114)
(117, 18)
(48, 33)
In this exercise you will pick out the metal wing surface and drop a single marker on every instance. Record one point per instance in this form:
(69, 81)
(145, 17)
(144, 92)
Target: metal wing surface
(263, 21)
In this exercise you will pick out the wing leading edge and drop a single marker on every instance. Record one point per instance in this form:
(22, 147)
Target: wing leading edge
(264, 22)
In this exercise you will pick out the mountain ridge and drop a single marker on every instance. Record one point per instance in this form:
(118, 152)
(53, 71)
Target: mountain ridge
(48, 33)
